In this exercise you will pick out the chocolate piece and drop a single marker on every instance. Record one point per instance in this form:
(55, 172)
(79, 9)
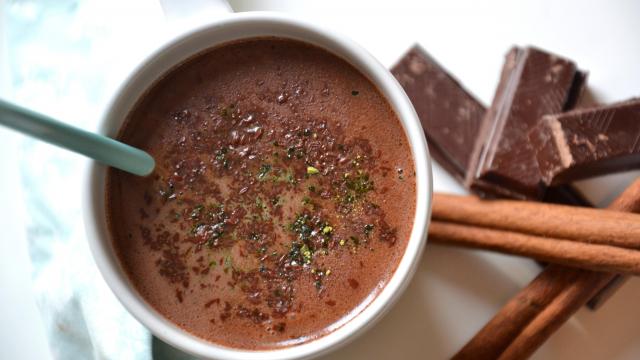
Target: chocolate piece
(533, 83)
(588, 142)
(450, 116)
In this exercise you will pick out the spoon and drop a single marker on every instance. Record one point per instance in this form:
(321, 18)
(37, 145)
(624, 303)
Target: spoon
(98, 147)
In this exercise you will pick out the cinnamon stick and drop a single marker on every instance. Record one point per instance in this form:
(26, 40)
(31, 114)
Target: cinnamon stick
(551, 220)
(607, 291)
(539, 309)
(491, 341)
(558, 251)
(574, 295)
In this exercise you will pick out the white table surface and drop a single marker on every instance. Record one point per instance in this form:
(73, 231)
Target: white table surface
(454, 291)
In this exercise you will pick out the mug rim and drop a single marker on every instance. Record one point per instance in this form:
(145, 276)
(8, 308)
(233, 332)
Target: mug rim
(100, 239)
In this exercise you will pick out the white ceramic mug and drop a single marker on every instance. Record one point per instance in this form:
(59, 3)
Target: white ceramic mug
(220, 31)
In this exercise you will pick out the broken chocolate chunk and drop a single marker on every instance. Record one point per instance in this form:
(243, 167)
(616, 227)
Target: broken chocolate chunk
(587, 142)
(533, 83)
(449, 114)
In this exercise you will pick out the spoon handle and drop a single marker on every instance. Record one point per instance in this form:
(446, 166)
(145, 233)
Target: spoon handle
(98, 147)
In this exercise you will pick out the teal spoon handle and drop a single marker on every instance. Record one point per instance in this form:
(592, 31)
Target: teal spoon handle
(100, 148)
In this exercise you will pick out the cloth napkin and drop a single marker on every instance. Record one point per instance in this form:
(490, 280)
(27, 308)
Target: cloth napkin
(67, 57)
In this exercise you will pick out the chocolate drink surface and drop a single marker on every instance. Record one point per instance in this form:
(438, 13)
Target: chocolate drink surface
(282, 200)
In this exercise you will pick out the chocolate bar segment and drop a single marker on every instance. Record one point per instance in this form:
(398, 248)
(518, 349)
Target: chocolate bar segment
(533, 83)
(450, 116)
(587, 142)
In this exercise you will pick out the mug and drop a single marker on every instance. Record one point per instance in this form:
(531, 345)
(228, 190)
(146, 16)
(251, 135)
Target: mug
(220, 31)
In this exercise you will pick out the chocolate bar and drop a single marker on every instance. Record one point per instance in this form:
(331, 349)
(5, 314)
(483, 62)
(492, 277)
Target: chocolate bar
(533, 83)
(450, 116)
(587, 142)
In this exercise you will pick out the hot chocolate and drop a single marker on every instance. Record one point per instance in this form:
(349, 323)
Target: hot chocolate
(282, 200)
